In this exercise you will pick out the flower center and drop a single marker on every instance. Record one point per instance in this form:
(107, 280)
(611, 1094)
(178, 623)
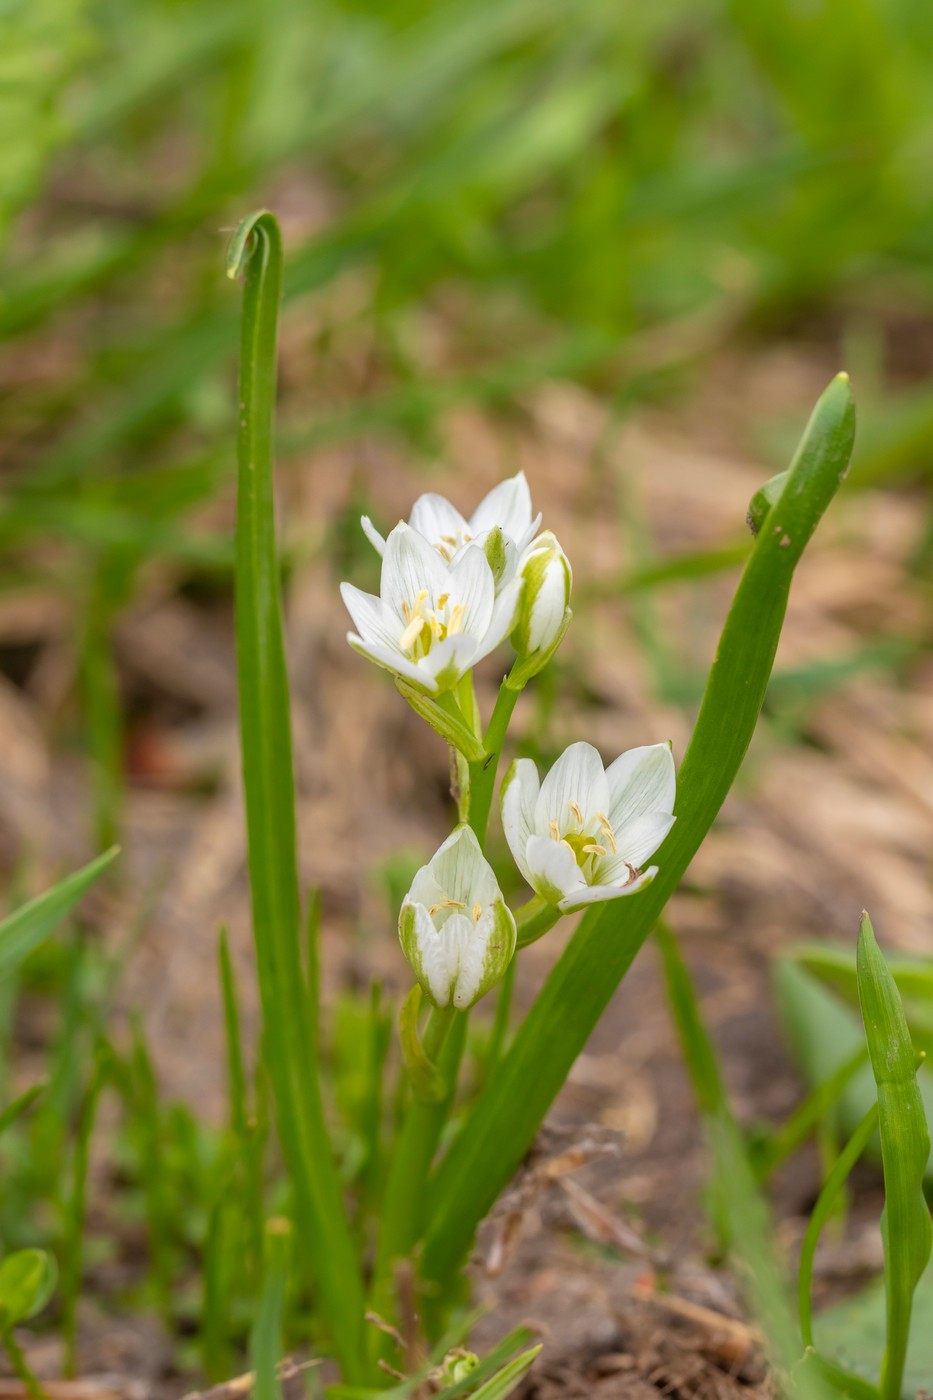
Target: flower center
(588, 845)
(447, 545)
(425, 625)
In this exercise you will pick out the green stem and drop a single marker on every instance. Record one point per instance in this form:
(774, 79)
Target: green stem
(483, 772)
(500, 1026)
(821, 1213)
(21, 1366)
(265, 723)
(538, 923)
(414, 1149)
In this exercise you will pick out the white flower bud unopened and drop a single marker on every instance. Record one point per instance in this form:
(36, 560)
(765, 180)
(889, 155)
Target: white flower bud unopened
(455, 928)
(542, 613)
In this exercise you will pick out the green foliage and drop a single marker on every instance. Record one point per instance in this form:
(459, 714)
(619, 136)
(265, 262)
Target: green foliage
(23, 930)
(905, 1151)
(27, 1282)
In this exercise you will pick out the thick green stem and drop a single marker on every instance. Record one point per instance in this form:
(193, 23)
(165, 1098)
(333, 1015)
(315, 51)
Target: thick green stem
(403, 1200)
(21, 1366)
(265, 724)
(483, 772)
(538, 922)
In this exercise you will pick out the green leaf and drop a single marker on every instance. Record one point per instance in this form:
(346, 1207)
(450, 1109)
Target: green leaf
(502, 1125)
(265, 728)
(762, 501)
(905, 1150)
(27, 927)
(853, 1333)
(27, 1282)
(265, 1344)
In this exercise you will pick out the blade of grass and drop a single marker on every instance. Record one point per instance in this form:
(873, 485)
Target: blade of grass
(73, 1247)
(265, 724)
(23, 930)
(502, 1125)
(265, 1346)
(823, 1209)
(905, 1148)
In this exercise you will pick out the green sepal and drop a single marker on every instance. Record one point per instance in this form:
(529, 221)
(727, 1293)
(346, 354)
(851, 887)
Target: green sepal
(426, 1079)
(527, 667)
(446, 719)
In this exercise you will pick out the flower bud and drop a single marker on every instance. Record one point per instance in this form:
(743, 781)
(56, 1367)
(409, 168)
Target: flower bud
(455, 928)
(543, 611)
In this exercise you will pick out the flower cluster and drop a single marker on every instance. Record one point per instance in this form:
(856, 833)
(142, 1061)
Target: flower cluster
(451, 591)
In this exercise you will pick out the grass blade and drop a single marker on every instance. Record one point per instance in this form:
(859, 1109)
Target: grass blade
(905, 1147)
(265, 725)
(503, 1124)
(23, 930)
(265, 1346)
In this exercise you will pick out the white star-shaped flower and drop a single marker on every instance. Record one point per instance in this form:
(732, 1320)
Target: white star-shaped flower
(507, 507)
(432, 621)
(583, 834)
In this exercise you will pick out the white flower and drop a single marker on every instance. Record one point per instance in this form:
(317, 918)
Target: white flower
(541, 619)
(506, 508)
(582, 834)
(432, 621)
(455, 928)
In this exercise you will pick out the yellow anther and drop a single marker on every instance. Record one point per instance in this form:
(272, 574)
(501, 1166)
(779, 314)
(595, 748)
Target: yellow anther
(456, 619)
(450, 539)
(442, 600)
(575, 809)
(422, 598)
(594, 849)
(477, 912)
(607, 831)
(411, 633)
(554, 829)
(446, 903)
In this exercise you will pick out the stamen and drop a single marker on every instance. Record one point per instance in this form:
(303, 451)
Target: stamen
(406, 610)
(442, 600)
(456, 619)
(477, 912)
(554, 829)
(422, 597)
(575, 809)
(446, 903)
(411, 634)
(594, 849)
(607, 831)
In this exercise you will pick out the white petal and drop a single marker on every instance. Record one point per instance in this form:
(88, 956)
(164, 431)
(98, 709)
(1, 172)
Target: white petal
(434, 517)
(372, 534)
(517, 799)
(553, 871)
(466, 954)
(527, 539)
(410, 565)
(433, 948)
(503, 617)
(462, 871)
(371, 618)
(576, 777)
(507, 505)
(640, 781)
(548, 607)
(596, 894)
(393, 660)
(636, 842)
(471, 585)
